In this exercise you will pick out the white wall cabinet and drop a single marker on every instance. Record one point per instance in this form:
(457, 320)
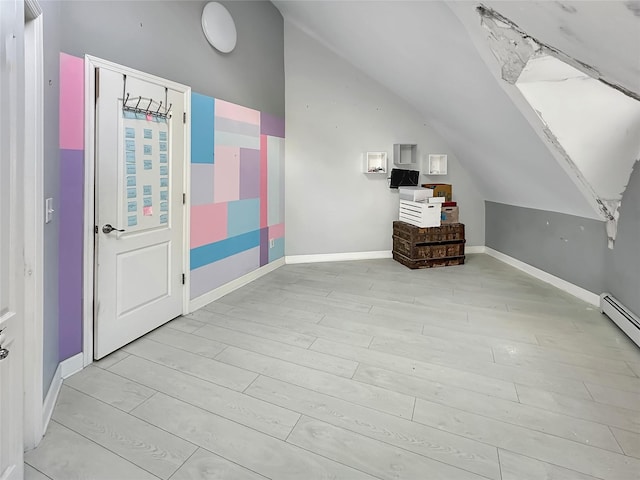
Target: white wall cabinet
(436, 164)
(405, 153)
(375, 162)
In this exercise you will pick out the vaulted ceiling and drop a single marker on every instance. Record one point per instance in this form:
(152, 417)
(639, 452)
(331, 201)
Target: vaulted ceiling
(435, 55)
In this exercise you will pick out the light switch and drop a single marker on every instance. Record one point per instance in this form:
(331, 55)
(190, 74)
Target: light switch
(48, 210)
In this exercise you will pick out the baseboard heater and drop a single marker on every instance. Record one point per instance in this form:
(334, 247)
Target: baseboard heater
(628, 322)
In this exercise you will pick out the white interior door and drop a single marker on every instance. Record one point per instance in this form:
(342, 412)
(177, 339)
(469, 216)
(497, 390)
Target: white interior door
(139, 214)
(11, 238)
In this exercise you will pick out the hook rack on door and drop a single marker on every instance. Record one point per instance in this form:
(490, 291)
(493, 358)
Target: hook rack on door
(149, 109)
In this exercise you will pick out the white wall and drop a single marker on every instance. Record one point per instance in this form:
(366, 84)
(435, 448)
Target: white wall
(335, 113)
(598, 126)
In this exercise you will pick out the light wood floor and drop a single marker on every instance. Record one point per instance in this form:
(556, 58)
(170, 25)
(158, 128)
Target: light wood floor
(359, 370)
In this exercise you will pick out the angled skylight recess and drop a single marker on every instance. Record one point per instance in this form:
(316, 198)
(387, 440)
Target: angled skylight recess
(593, 126)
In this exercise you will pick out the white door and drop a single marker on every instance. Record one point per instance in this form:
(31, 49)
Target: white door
(11, 280)
(139, 214)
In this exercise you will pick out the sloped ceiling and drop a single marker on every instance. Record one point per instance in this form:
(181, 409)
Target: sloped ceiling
(602, 34)
(433, 55)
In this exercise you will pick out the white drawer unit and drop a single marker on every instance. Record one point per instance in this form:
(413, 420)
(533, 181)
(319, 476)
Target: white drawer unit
(420, 214)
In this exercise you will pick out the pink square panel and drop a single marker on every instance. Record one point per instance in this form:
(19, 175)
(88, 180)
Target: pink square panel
(237, 112)
(72, 102)
(208, 224)
(226, 174)
(276, 231)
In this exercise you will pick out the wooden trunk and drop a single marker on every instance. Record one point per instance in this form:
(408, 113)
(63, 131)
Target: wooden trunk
(417, 247)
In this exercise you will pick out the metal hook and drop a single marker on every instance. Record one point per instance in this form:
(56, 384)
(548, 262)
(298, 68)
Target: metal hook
(139, 98)
(149, 106)
(126, 100)
(159, 107)
(169, 110)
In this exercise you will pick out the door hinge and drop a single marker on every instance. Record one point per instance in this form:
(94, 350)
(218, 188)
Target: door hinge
(184, 117)
(183, 278)
(184, 198)
(95, 229)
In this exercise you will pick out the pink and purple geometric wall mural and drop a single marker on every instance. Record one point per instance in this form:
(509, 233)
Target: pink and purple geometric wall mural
(71, 206)
(237, 191)
(237, 196)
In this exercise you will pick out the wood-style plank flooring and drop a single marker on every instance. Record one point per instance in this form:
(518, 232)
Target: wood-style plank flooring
(361, 370)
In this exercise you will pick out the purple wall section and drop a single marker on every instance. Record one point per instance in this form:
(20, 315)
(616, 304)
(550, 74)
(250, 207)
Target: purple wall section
(70, 254)
(70, 206)
(214, 275)
(264, 246)
(249, 173)
(271, 125)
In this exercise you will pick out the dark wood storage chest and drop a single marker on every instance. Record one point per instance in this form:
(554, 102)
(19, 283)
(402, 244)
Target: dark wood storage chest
(417, 247)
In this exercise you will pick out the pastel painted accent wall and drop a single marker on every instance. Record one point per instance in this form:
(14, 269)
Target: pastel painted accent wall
(237, 194)
(71, 203)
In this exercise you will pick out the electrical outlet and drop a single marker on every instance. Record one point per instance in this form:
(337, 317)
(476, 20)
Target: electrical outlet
(272, 243)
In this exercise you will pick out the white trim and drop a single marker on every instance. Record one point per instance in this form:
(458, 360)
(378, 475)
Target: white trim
(186, 259)
(89, 192)
(34, 225)
(147, 77)
(337, 257)
(343, 257)
(65, 369)
(51, 398)
(32, 10)
(557, 282)
(90, 64)
(71, 365)
(209, 297)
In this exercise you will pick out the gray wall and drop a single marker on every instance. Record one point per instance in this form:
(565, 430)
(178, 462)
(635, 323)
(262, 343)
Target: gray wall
(572, 248)
(622, 275)
(165, 38)
(51, 19)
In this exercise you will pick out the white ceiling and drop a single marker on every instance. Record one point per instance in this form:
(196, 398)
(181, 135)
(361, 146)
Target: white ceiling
(434, 55)
(603, 34)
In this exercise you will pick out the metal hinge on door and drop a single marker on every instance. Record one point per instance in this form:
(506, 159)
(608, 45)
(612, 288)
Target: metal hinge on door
(184, 117)
(183, 278)
(184, 198)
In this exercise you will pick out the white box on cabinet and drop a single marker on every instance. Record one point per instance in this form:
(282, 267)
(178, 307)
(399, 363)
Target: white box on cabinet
(420, 214)
(414, 194)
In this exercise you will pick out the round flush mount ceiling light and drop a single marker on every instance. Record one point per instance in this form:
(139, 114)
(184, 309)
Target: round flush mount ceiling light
(219, 28)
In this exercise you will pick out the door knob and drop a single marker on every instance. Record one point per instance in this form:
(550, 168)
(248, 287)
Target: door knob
(108, 229)
(4, 353)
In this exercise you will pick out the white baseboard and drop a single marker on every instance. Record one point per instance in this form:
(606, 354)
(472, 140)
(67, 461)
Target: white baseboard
(337, 257)
(209, 297)
(557, 282)
(65, 369)
(51, 397)
(342, 257)
(72, 365)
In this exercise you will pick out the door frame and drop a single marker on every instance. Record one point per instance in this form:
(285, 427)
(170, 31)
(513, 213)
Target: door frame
(91, 63)
(33, 194)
